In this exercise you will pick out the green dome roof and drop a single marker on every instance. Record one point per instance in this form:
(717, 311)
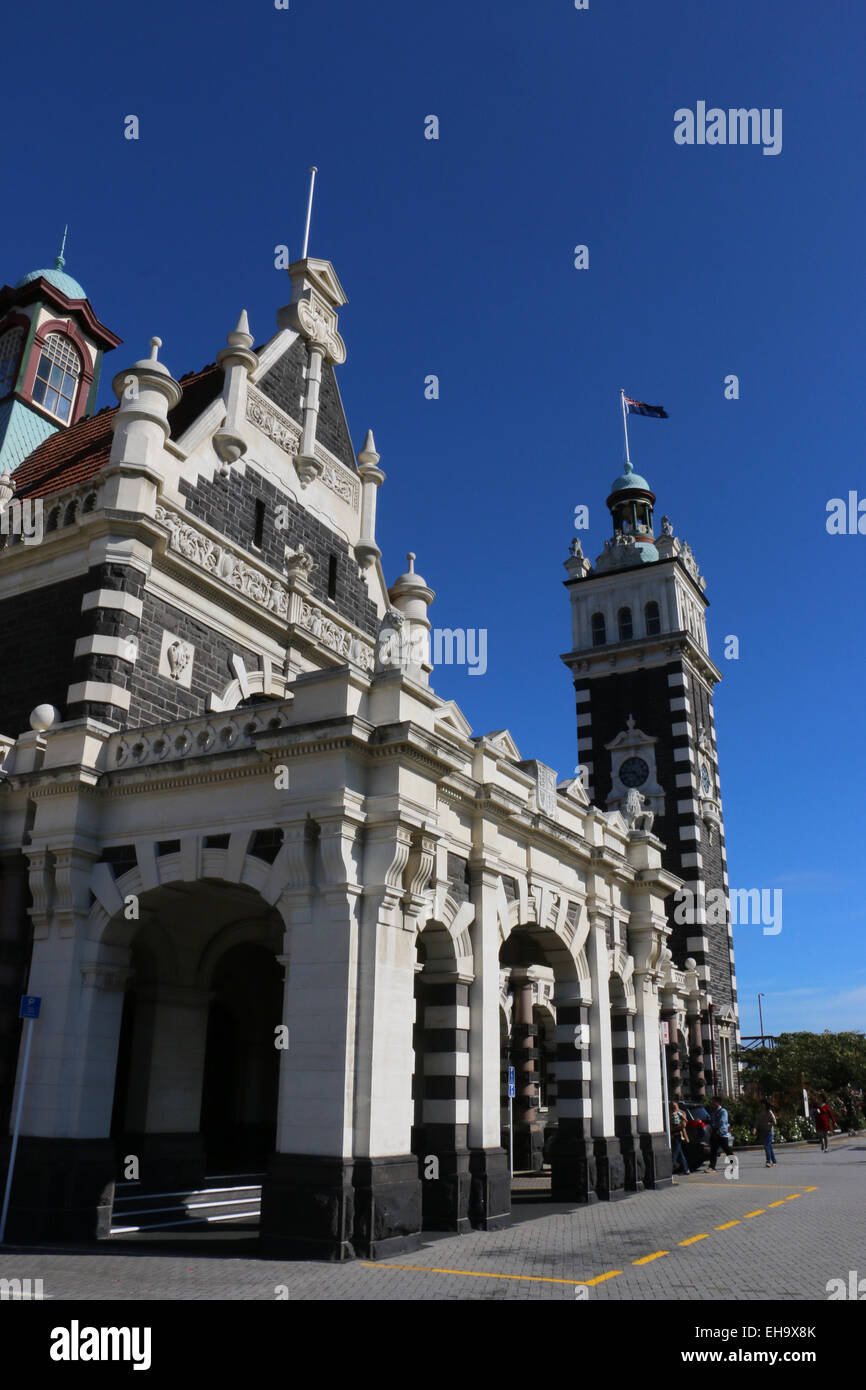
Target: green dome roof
(630, 479)
(62, 282)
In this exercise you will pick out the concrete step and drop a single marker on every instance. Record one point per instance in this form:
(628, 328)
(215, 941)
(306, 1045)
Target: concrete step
(229, 1199)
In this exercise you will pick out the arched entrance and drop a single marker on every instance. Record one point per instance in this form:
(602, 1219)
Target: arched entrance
(242, 1063)
(440, 1083)
(197, 1062)
(548, 1046)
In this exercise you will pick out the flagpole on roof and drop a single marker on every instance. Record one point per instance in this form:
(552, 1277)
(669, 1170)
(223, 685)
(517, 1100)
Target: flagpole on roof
(309, 212)
(624, 424)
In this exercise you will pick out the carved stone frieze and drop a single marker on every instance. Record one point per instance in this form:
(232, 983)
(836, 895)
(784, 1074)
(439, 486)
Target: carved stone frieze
(334, 635)
(287, 435)
(222, 563)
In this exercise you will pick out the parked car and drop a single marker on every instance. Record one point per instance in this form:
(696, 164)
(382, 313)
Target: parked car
(698, 1135)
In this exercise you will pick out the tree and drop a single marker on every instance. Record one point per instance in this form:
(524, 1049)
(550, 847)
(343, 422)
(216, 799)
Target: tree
(817, 1061)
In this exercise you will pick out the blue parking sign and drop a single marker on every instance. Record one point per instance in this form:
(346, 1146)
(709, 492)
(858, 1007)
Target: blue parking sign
(511, 1087)
(30, 1006)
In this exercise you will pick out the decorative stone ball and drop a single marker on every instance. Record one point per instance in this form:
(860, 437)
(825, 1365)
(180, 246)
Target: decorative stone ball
(691, 963)
(43, 717)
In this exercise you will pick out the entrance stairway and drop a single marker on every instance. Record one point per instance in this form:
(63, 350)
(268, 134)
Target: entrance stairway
(231, 1199)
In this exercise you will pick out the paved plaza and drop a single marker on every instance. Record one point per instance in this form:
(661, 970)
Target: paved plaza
(781, 1233)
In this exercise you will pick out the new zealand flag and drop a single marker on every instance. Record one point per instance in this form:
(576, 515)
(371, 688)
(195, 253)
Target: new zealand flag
(657, 412)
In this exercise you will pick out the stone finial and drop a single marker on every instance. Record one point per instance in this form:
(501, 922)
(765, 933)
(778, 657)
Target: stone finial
(7, 490)
(155, 345)
(237, 362)
(368, 453)
(240, 336)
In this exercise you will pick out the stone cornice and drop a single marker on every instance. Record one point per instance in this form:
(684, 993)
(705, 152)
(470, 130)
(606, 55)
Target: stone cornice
(643, 651)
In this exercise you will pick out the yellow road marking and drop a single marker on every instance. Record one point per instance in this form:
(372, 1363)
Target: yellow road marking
(599, 1278)
(484, 1274)
(734, 1185)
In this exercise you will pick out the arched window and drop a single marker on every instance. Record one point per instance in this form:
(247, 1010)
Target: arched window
(11, 343)
(599, 634)
(57, 376)
(653, 619)
(626, 631)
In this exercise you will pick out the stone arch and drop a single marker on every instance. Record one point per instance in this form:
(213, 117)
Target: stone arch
(443, 975)
(183, 1021)
(453, 944)
(234, 934)
(621, 968)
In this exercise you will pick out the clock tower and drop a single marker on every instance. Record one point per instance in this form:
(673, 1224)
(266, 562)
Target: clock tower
(644, 686)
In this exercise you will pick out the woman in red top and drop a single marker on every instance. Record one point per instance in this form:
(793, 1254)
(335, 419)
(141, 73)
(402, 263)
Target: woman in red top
(825, 1121)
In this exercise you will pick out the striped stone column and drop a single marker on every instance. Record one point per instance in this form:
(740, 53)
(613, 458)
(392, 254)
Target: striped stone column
(572, 1161)
(675, 1060)
(442, 1100)
(696, 1058)
(528, 1137)
(625, 1097)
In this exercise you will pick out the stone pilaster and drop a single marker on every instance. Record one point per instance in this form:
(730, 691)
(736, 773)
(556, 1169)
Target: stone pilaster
(490, 1199)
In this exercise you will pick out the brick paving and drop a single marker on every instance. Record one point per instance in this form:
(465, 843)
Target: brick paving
(784, 1251)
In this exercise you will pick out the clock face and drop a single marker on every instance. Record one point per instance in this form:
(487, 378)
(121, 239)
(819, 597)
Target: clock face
(705, 779)
(633, 772)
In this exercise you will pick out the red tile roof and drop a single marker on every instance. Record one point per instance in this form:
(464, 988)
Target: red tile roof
(73, 455)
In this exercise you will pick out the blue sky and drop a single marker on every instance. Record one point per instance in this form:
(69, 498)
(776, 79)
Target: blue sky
(556, 129)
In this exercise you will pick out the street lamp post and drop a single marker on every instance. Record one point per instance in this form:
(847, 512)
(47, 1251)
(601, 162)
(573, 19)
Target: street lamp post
(761, 1016)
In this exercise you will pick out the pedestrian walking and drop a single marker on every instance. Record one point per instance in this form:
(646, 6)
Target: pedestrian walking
(825, 1121)
(679, 1134)
(720, 1132)
(765, 1122)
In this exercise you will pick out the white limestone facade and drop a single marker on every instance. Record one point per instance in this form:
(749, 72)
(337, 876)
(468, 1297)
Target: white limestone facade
(282, 906)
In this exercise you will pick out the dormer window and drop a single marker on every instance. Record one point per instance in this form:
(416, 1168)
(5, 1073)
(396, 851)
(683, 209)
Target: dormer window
(653, 620)
(57, 376)
(626, 631)
(599, 634)
(11, 343)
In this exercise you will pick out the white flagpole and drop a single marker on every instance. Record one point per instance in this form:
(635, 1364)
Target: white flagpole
(313, 172)
(624, 423)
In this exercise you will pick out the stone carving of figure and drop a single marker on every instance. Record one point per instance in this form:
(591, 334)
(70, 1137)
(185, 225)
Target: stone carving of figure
(576, 549)
(179, 655)
(635, 814)
(667, 528)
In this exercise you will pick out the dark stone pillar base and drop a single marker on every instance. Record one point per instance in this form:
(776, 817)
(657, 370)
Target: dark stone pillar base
(490, 1193)
(166, 1162)
(387, 1206)
(63, 1190)
(657, 1160)
(308, 1206)
(573, 1169)
(611, 1170)
(445, 1199)
(528, 1149)
(635, 1166)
